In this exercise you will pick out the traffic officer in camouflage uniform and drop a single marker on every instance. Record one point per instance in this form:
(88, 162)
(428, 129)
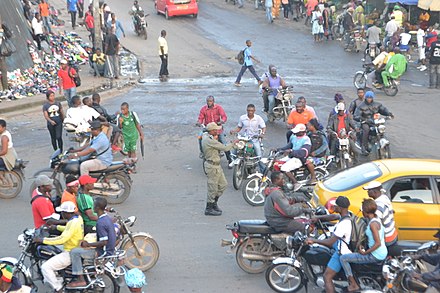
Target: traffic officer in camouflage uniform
(216, 178)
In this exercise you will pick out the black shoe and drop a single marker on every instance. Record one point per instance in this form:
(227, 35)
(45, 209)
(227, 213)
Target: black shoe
(210, 211)
(215, 206)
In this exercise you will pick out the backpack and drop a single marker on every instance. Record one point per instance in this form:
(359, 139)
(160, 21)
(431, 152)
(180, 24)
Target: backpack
(76, 79)
(358, 237)
(240, 57)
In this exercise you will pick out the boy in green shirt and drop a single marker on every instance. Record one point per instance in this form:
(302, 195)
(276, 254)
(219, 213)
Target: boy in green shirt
(129, 122)
(85, 203)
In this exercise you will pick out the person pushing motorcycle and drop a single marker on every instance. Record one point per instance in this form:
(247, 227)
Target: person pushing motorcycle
(271, 84)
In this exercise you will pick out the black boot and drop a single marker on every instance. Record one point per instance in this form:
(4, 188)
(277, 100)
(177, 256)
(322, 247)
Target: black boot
(215, 206)
(209, 211)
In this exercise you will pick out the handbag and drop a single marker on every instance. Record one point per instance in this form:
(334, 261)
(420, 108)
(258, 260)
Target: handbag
(7, 48)
(76, 79)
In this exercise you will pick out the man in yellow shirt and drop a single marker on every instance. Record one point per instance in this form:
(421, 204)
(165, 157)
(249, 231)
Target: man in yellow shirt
(98, 60)
(71, 236)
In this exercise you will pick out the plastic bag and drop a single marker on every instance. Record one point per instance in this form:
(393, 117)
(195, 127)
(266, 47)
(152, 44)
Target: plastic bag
(7, 48)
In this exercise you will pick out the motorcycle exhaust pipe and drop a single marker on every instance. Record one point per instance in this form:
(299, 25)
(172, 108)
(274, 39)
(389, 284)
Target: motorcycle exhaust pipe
(225, 242)
(258, 257)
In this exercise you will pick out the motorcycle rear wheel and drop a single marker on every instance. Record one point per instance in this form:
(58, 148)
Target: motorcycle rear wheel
(359, 80)
(17, 184)
(149, 253)
(252, 190)
(392, 90)
(114, 179)
(284, 278)
(238, 173)
(251, 266)
(111, 286)
(369, 283)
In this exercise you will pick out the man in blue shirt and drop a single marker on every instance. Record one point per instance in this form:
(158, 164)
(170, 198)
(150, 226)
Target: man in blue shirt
(248, 64)
(72, 8)
(99, 145)
(104, 245)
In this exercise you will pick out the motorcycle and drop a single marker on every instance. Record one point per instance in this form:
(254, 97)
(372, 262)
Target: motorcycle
(372, 51)
(140, 23)
(245, 160)
(283, 105)
(360, 81)
(100, 275)
(142, 251)
(80, 136)
(338, 26)
(307, 263)
(377, 141)
(255, 184)
(355, 41)
(344, 158)
(114, 182)
(11, 182)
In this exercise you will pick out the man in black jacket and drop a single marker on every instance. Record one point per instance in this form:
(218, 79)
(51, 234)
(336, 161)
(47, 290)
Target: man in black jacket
(365, 115)
(434, 65)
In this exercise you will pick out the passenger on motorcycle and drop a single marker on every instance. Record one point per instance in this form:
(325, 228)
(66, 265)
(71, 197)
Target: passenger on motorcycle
(70, 237)
(376, 251)
(373, 36)
(10, 283)
(319, 147)
(338, 99)
(136, 9)
(85, 203)
(375, 77)
(338, 241)
(395, 67)
(71, 191)
(338, 122)
(80, 116)
(8, 156)
(212, 112)
(355, 103)
(100, 146)
(431, 278)
(365, 115)
(253, 125)
(298, 149)
(280, 211)
(271, 84)
(104, 245)
(300, 116)
(384, 212)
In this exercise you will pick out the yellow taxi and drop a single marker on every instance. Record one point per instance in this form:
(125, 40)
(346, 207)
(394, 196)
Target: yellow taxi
(413, 186)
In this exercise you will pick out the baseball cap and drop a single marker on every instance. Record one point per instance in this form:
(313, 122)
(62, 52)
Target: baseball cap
(71, 180)
(372, 185)
(95, 125)
(299, 128)
(86, 179)
(67, 207)
(342, 202)
(43, 180)
(63, 61)
(213, 126)
(340, 107)
(6, 273)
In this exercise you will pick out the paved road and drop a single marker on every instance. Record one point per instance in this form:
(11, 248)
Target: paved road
(168, 194)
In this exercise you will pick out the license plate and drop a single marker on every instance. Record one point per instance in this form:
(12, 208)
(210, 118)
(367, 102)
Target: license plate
(181, 7)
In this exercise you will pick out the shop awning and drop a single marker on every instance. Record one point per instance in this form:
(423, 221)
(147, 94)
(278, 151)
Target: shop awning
(433, 5)
(404, 2)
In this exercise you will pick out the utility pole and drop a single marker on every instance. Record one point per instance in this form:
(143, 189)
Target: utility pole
(97, 23)
(3, 66)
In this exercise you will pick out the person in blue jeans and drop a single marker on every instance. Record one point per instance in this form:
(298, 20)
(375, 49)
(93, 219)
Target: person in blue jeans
(268, 5)
(248, 64)
(376, 251)
(338, 241)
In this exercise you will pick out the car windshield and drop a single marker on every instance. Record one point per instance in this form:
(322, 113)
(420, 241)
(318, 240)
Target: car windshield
(353, 177)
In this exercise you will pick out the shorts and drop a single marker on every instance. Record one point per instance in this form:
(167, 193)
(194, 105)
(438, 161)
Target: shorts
(334, 262)
(130, 145)
(404, 48)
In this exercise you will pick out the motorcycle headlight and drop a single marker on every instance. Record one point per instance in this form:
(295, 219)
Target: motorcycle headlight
(240, 145)
(21, 241)
(381, 128)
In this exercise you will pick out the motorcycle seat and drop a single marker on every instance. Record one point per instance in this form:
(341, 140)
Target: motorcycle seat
(399, 246)
(255, 227)
(113, 167)
(371, 267)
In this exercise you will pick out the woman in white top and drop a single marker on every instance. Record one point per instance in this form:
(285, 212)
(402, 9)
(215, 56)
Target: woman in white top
(7, 151)
(37, 26)
(317, 24)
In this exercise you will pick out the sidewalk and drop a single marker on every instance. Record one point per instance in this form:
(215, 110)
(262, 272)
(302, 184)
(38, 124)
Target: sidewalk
(89, 83)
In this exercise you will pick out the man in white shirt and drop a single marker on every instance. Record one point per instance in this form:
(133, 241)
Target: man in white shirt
(163, 54)
(341, 236)
(421, 48)
(81, 116)
(390, 29)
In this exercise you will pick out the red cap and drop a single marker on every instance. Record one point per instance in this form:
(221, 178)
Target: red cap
(86, 179)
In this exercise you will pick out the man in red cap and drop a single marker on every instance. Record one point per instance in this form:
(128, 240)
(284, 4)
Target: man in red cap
(85, 203)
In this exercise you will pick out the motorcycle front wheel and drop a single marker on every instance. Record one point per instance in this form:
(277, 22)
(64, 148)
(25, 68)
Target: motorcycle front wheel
(148, 253)
(284, 278)
(385, 153)
(115, 188)
(11, 184)
(251, 266)
(238, 174)
(252, 190)
(144, 32)
(359, 80)
(110, 284)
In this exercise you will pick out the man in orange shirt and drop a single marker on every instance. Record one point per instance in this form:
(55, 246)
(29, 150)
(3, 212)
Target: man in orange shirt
(44, 12)
(71, 190)
(300, 116)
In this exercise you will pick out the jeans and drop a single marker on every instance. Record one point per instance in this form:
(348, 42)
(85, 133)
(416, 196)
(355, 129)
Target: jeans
(434, 75)
(271, 98)
(54, 264)
(99, 69)
(358, 258)
(56, 137)
(164, 65)
(68, 94)
(38, 38)
(242, 71)
(286, 10)
(73, 18)
(111, 66)
(259, 153)
(47, 24)
(91, 165)
(269, 14)
(365, 133)
(77, 255)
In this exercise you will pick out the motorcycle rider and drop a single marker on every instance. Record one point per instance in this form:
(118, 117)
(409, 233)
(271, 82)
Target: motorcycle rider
(303, 100)
(70, 237)
(365, 115)
(253, 125)
(339, 239)
(395, 68)
(213, 112)
(10, 283)
(319, 147)
(338, 122)
(300, 116)
(81, 115)
(96, 104)
(280, 211)
(99, 145)
(137, 10)
(431, 278)
(298, 149)
(105, 244)
(384, 212)
(271, 84)
(8, 156)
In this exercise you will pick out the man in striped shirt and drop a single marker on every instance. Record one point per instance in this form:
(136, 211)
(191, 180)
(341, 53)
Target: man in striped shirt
(384, 211)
